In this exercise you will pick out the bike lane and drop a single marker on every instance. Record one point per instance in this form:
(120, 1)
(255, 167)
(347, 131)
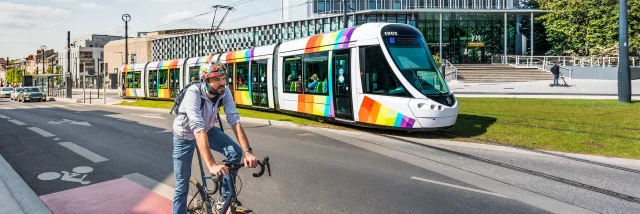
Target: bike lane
(68, 176)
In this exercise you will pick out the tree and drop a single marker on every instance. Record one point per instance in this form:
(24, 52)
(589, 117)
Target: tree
(588, 27)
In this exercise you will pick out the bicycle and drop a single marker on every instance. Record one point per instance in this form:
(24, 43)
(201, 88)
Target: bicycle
(199, 202)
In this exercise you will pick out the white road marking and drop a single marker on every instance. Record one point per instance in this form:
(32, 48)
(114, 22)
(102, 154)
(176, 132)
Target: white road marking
(59, 106)
(149, 115)
(77, 105)
(17, 122)
(41, 132)
(56, 139)
(6, 107)
(83, 152)
(458, 187)
(153, 185)
(67, 121)
(4, 117)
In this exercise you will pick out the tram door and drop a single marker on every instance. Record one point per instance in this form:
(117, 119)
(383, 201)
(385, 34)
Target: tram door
(342, 85)
(259, 83)
(153, 84)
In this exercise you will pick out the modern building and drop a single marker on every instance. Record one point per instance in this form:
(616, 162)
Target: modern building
(473, 31)
(86, 53)
(114, 56)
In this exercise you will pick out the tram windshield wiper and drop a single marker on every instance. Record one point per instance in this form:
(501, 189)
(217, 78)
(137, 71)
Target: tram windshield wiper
(423, 82)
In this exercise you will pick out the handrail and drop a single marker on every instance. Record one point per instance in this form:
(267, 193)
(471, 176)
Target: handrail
(447, 66)
(581, 61)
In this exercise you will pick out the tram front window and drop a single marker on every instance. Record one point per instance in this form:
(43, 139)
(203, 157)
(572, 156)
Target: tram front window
(413, 59)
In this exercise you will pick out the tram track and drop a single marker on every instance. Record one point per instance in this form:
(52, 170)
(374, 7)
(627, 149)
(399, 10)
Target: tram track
(577, 184)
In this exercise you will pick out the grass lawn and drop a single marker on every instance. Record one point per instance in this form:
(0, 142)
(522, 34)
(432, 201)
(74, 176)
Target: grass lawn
(597, 127)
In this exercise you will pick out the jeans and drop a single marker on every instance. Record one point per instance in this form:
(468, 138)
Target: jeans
(183, 150)
(555, 79)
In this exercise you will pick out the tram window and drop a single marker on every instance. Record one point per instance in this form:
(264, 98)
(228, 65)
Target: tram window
(162, 79)
(292, 74)
(129, 79)
(194, 73)
(378, 76)
(153, 79)
(316, 70)
(229, 74)
(174, 77)
(242, 76)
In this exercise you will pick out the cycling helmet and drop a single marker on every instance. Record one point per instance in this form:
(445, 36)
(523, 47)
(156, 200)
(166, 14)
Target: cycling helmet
(212, 69)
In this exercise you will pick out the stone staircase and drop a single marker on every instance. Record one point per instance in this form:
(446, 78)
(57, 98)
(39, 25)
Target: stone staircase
(487, 73)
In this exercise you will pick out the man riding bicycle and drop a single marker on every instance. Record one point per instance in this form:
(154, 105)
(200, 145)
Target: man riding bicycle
(195, 127)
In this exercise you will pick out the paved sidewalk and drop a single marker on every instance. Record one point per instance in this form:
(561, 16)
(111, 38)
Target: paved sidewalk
(579, 88)
(15, 195)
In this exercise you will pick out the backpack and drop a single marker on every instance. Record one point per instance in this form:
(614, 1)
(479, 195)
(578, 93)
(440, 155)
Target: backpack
(178, 100)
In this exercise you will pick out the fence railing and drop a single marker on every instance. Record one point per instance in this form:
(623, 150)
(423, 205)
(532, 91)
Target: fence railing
(450, 71)
(581, 61)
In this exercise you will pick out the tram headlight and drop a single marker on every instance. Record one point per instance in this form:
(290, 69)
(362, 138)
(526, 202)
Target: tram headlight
(433, 106)
(420, 105)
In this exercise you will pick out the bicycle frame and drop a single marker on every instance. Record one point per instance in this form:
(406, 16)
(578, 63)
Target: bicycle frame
(230, 185)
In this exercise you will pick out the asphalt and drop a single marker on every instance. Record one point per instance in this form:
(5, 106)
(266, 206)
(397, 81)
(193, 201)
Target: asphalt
(310, 172)
(314, 170)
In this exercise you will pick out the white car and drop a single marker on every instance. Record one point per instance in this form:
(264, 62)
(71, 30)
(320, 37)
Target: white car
(6, 92)
(15, 93)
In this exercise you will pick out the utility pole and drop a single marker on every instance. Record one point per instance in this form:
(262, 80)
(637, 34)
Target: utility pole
(624, 74)
(43, 47)
(126, 18)
(345, 23)
(68, 76)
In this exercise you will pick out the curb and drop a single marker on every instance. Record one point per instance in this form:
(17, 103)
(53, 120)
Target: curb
(602, 159)
(166, 111)
(27, 199)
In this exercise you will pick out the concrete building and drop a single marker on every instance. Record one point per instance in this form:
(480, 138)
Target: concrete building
(86, 53)
(114, 56)
(473, 31)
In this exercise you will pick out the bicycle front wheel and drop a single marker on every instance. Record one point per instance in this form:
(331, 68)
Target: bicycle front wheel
(196, 199)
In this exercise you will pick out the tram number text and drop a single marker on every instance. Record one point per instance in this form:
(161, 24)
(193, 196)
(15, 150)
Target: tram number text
(390, 33)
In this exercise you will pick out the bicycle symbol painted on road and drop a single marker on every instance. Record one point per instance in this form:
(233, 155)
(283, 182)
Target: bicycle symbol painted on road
(67, 176)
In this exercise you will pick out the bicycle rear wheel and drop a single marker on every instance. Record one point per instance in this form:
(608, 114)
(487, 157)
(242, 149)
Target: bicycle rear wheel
(196, 198)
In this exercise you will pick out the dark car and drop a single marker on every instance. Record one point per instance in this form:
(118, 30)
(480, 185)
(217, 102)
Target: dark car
(31, 94)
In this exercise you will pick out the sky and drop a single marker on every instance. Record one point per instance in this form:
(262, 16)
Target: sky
(25, 25)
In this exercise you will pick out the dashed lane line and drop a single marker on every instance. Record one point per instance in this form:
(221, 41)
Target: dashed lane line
(458, 187)
(41, 132)
(83, 152)
(4, 117)
(17, 122)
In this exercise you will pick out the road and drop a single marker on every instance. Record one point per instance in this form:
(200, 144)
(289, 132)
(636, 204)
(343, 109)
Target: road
(125, 155)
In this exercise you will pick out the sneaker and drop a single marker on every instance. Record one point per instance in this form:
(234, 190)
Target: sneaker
(219, 203)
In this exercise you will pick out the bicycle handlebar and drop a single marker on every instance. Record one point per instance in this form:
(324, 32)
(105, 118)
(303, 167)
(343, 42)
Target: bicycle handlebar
(235, 167)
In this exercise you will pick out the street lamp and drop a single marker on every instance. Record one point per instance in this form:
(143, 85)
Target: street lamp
(43, 47)
(126, 18)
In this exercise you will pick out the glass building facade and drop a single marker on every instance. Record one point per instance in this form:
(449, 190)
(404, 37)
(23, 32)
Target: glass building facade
(473, 31)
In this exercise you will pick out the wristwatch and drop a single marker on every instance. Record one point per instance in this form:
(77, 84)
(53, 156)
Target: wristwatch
(248, 149)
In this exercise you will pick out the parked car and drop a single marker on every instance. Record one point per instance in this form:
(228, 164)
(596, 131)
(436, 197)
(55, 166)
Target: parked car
(6, 92)
(15, 93)
(31, 94)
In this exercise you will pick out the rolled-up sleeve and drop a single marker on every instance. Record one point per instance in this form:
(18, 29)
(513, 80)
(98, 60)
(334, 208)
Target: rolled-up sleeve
(191, 103)
(230, 110)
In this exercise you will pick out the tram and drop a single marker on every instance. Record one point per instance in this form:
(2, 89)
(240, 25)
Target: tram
(375, 75)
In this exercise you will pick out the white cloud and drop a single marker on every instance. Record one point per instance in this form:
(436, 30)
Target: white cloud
(65, 0)
(91, 6)
(27, 16)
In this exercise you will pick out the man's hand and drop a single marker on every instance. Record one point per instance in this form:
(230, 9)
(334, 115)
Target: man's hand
(250, 160)
(221, 168)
